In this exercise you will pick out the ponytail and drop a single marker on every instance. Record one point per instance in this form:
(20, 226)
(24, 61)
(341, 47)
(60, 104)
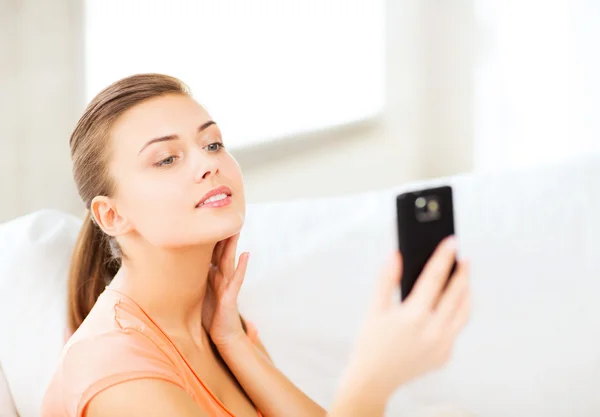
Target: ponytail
(92, 267)
(95, 262)
(97, 256)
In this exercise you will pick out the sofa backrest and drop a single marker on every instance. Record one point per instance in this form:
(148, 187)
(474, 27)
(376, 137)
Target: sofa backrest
(532, 344)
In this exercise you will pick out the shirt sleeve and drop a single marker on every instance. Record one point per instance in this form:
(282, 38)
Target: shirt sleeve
(93, 365)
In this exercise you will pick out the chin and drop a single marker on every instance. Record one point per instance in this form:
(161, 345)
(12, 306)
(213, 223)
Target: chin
(194, 233)
(219, 229)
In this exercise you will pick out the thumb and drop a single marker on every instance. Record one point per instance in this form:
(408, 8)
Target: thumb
(389, 282)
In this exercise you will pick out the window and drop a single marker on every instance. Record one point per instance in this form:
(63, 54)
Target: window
(537, 85)
(264, 69)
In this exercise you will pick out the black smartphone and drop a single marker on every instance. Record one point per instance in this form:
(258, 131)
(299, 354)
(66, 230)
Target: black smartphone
(425, 218)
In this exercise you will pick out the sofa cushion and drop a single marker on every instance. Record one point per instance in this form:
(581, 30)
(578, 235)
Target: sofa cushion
(531, 347)
(35, 251)
(7, 406)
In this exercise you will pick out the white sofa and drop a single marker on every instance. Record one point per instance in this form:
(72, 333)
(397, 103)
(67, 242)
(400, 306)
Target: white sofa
(532, 347)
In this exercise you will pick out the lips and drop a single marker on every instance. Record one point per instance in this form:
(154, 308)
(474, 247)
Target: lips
(216, 192)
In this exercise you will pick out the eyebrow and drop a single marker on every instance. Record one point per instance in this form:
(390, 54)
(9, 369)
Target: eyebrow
(175, 137)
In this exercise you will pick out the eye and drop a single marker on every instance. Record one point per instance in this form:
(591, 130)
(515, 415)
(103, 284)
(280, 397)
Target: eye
(167, 161)
(214, 147)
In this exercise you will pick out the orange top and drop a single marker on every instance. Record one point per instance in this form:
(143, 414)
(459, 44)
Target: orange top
(119, 342)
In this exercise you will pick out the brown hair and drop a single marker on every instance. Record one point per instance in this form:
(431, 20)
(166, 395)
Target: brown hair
(96, 257)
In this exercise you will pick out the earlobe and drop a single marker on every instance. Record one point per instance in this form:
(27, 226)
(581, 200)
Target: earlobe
(107, 217)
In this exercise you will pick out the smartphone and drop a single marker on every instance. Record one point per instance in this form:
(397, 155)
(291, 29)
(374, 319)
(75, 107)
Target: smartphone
(425, 218)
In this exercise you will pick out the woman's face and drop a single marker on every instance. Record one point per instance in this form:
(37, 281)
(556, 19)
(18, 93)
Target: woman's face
(167, 156)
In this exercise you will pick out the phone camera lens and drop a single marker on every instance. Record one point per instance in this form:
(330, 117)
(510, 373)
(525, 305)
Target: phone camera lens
(433, 206)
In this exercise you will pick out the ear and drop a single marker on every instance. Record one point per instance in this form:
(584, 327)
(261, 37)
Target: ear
(106, 215)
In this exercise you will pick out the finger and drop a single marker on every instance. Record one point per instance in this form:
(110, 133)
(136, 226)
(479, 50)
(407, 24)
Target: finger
(215, 279)
(238, 277)
(452, 297)
(212, 270)
(463, 312)
(218, 252)
(389, 283)
(435, 274)
(228, 259)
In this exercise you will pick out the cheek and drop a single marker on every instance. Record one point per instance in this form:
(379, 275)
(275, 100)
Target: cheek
(164, 215)
(153, 203)
(231, 170)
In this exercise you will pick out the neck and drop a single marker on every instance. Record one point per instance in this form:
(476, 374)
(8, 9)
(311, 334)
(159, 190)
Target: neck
(169, 285)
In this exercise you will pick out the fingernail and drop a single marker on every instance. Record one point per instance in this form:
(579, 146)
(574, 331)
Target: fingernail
(451, 242)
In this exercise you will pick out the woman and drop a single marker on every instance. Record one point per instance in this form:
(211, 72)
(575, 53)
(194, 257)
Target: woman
(154, 282)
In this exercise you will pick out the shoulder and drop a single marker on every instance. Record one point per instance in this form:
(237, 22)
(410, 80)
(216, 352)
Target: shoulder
(143, 397)
(116, 336)
(116, 351)
(91, 365)
(112, 347)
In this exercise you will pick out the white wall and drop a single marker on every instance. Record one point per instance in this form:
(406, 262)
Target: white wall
(537, 91)
(425, 130)
(40, 84)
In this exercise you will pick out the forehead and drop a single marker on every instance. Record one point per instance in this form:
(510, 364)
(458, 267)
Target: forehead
(174, 114)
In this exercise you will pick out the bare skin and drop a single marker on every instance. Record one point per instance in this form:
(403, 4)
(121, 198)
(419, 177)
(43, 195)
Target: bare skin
(181, 268)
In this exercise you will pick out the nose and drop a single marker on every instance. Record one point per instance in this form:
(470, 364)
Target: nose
(205, 167)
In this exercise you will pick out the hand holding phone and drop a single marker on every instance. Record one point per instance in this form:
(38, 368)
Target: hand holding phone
(400, 341)
(425, 218)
